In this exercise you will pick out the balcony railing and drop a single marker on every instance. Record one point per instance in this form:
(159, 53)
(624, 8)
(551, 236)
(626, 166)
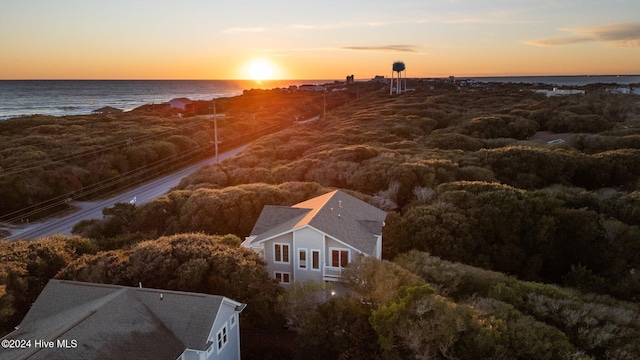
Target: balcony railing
(331, 272)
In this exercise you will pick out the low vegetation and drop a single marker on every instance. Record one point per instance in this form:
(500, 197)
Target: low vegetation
(497, 244)
(46, 161)
(543, 212)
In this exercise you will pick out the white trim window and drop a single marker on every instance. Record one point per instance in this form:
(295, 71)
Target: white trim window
(233, 320)
(315, 259)
(281, 253)
(222, 337)
(283, 277)
(340, 257)
(302, 259)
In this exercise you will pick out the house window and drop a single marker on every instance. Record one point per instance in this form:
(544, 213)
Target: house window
(302, 258)
(281, 253)
(283, 277)
(233, 320)
(315, 259)
(222, 338)
(339, 258)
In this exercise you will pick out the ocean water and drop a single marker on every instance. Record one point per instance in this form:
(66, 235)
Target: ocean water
(79, 97)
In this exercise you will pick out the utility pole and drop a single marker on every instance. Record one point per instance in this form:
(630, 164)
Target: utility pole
(324, 104)
(215, 129)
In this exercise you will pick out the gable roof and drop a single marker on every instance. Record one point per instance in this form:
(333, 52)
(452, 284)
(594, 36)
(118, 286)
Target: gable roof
(182, 100)
(107, 110)
(114, 322)
(336, 213)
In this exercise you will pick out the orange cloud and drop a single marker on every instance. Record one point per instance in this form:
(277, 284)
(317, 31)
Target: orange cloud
(621, 35)
(388, 48)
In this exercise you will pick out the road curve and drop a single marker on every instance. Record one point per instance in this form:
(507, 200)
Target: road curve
(93, 209)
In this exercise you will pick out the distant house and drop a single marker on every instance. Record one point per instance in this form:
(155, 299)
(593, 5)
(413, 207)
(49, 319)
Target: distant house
(182, 104)
(75, 320)
(317, 238)
(312, 88)
(107, 110)
(560, 92)
(624, 90)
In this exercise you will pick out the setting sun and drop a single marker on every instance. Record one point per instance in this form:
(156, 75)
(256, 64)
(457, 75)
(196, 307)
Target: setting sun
(260, 69)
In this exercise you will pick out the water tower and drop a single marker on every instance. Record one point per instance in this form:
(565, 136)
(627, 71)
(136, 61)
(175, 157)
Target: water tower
(398, 67)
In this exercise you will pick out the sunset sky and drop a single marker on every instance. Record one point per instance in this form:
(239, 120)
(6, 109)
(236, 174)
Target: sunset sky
(324, 39)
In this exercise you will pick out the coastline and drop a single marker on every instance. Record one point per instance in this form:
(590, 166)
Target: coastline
(21, 98)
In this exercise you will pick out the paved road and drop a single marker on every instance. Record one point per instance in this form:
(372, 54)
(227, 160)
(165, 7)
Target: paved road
(93, 209)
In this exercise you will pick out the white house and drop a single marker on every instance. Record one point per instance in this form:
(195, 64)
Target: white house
(317, 238)
(560, 92)
(76, 320)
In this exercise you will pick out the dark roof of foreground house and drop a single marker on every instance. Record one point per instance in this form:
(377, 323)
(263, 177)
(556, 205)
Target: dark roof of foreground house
(115, 322)
(336, 214)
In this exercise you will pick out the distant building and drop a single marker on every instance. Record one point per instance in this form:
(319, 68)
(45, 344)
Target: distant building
(312, 88)
(182, 104)
(379, 78)
(107, 110)
(350, 79)
(79, 320)
(624, 90)
(557, 92)
(317, 238)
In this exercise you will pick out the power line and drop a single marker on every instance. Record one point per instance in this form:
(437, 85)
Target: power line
(143, 171)
(140, 174)
(37, 164)
(131, 175)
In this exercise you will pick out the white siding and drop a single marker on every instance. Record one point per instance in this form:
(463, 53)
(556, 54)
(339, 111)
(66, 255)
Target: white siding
(190, 355)
(309, 239)
(231, 351)
(269, 255)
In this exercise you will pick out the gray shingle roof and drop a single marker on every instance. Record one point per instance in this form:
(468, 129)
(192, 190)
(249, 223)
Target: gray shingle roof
(337, 214)
(116, 322)
(273, 218)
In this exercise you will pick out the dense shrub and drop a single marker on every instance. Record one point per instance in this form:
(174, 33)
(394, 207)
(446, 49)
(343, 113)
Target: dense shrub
(452, 141)
(504, 126)
(25, 268)
(425, 324)
(186, 262)
(585, 123)
(546, 315)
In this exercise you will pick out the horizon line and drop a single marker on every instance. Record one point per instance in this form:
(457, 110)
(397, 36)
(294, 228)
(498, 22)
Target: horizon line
(316, 79)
